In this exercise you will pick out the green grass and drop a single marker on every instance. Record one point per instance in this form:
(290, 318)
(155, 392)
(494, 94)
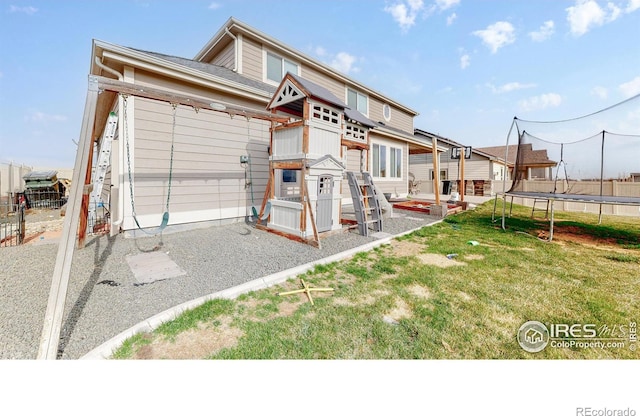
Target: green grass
(391, 305)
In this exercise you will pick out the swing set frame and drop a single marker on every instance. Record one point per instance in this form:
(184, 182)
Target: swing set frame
(75, 220)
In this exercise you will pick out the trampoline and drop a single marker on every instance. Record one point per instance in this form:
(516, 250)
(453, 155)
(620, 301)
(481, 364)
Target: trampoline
(561, 162)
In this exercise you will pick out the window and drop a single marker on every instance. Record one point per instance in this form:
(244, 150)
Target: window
(386, 112)
(277, 67)
(358, 101)
(289, 176)
(325, 114)
(443, 174)
(387, 161)
(395, 165)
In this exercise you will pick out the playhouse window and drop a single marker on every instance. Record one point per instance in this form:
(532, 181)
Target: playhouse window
(289, 176)
(277, 67)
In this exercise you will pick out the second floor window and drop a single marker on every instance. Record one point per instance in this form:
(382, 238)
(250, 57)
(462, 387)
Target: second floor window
(358, 101)
(277, 67)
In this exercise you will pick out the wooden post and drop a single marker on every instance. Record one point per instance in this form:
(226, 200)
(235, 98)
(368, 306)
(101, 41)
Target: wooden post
(436, 170)
(462, 183)
(84, 210)
(55, 307)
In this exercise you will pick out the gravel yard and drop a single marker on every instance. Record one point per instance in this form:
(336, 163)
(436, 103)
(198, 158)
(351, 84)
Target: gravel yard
(104, 298)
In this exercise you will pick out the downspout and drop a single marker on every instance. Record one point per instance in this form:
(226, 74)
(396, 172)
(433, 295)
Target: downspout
(116, 222)
(109, 70)
(235, 49)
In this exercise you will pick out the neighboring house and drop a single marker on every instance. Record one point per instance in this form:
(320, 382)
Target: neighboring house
(239, 68)
(479, 170)
(634, 176)
(534, 164)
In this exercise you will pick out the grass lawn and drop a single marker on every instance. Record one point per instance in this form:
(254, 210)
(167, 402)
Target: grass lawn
(407, 300)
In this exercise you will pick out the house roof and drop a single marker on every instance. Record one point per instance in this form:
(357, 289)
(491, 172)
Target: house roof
(530, 157)
(233, 24)
(425, 134)
(42, 175)
(216, 70)
(317, 91)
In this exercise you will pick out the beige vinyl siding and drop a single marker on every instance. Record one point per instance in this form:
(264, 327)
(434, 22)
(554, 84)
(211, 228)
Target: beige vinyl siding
(226, 57)
(399, 119)
(252, 59)
(335, 87)
(207, 174)
(353, 165)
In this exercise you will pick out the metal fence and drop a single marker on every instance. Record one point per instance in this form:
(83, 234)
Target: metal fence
(12, 224)
(44, 199)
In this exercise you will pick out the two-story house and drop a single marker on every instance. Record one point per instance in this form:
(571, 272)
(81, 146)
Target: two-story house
(211, 163)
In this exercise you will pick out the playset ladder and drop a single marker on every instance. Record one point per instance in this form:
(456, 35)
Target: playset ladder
(104, 160)
(365, 203)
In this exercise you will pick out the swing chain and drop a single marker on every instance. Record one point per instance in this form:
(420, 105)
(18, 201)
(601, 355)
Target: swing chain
(126, 135)
(173, 135)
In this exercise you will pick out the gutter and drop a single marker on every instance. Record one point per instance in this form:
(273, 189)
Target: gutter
(109, 70)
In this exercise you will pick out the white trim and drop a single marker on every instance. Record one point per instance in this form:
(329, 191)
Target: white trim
(389, 144)
(386, 106)
(180, 72)
(240, 44)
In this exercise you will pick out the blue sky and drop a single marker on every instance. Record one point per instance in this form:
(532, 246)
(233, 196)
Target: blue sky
(468, 67)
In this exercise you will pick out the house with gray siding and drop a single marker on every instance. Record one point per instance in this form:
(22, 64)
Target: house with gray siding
(479, 170)
(213, 164)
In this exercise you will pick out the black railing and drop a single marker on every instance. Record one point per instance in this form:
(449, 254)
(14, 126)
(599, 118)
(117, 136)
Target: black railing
(12, 225)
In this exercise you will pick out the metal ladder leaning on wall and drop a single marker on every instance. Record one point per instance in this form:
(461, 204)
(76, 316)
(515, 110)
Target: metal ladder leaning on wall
(104, 160)
(365, 203)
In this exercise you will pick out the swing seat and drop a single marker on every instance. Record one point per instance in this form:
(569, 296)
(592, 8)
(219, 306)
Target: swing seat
(267, 210)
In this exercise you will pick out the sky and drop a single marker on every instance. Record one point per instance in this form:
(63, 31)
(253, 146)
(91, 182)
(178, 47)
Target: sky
(467, 67)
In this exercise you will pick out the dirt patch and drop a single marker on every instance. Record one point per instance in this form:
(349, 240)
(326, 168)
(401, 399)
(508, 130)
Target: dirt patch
(575, 234)
(406, 248)
(367, 299)
(420, 291)
(193, 344)
(401, 310)
(439, 260)
(464, 296)
(474, 257)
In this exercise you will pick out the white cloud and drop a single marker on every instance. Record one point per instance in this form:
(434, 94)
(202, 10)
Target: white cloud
(446, 4)
(451, 18)
(40, 117)
(631, 88)
(320, 51)
(465, 61)
(510, 86)
(404, 12)
(541, 102)
(344, 62)
(585, 15)
(214, 6)
(27, 9)
(497, 35)
(600, 92)
(632, 6)
(544, 33)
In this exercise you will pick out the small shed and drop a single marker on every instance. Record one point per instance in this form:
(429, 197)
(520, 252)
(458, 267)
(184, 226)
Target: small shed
(323, 181)
(43, 189)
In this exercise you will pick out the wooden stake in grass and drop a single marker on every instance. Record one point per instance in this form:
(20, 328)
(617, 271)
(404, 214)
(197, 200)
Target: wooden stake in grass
(307, 290)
